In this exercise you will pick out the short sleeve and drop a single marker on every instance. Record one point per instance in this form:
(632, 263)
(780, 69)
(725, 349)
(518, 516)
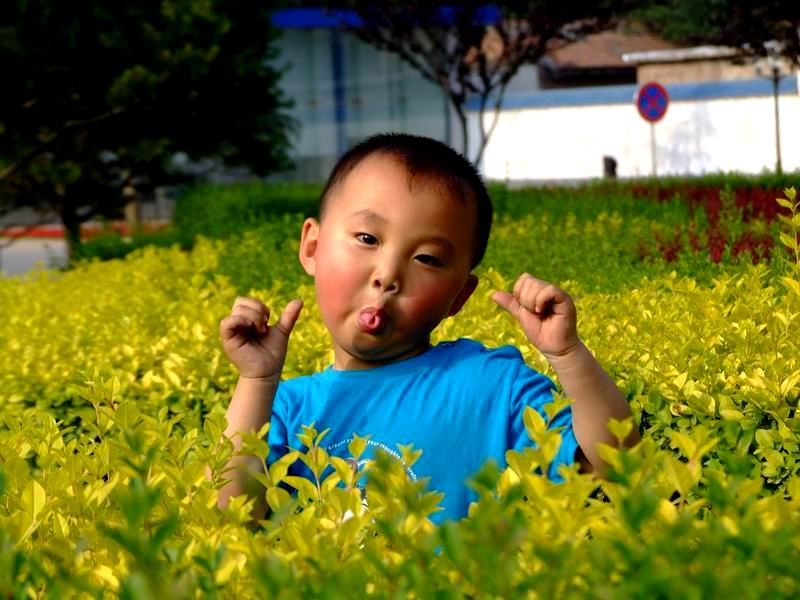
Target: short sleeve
(534, 389)
(278, 437)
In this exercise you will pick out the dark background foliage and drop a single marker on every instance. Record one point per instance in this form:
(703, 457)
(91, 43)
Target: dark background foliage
(99, 97)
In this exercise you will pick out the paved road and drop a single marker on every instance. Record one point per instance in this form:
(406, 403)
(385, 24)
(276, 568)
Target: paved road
(22, 255)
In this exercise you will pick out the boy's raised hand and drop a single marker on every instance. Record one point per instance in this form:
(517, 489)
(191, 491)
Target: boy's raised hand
(546, 313)
(257, 350)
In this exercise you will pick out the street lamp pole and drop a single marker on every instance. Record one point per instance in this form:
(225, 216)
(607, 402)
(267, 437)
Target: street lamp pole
(773, 56)
(776, 77)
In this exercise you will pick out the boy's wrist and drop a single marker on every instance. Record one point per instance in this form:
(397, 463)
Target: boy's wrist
(259, 389)
(271, 381)
(572, 355)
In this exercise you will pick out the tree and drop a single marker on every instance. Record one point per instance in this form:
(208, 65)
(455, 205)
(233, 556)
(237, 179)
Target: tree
(471, 49)
(100, 96)
(749, 25)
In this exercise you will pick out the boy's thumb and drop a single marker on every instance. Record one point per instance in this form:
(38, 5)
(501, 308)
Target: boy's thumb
(503, 299)
(289, 316)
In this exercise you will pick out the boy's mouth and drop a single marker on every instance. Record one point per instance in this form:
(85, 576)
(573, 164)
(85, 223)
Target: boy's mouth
(373, 320)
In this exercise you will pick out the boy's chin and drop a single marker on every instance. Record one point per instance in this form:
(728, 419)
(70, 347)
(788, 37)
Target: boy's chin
(373, 353)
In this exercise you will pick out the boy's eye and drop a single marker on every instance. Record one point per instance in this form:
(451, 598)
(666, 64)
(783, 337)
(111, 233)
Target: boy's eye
(429, 260)
(366, 238)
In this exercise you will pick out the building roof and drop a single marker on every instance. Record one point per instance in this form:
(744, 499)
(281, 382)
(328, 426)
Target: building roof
(680, 54)
(603, 50)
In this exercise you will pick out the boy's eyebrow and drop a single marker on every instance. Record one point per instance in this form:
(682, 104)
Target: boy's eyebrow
(369, 215)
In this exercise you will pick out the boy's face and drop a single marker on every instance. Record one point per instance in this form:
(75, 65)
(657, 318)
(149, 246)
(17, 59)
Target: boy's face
(389, 262)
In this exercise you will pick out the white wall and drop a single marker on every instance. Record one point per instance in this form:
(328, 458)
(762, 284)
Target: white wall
(694, 137)
(541, 134)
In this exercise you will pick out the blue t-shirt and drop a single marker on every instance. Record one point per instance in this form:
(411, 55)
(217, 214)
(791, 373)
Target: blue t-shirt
(460, 402)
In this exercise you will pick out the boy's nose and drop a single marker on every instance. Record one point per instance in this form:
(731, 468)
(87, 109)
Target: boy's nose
(386, 277)
(388, 284)
(387, 274)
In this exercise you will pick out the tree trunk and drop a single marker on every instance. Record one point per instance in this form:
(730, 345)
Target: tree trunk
(133, 209)
(458, 104)
(481, 130)
(71, 223)
(462, 121)
(486, 135)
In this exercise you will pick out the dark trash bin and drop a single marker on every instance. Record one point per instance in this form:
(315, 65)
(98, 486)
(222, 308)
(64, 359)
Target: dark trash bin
(609, 167)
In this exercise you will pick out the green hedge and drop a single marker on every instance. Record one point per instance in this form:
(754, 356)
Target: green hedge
(113, 387)
(220, 211)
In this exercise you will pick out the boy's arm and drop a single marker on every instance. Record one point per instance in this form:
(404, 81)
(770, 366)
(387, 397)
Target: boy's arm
(548, 317)
(258, 351)
(249, 410)
(596, 399)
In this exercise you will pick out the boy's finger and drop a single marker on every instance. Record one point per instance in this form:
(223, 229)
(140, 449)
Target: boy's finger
(521, 282)
(526, 289)
(544, 298)
(253, 303)
(508, 302)
(289, 317)
(229, 326)
(259, 317)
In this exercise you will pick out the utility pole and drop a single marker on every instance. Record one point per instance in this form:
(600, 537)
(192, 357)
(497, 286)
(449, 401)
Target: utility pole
(776, 79)
(774, 59)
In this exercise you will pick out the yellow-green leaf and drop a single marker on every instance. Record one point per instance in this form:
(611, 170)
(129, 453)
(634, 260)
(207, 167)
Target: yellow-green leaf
(788, 241)
(34, 498)
(278, 498)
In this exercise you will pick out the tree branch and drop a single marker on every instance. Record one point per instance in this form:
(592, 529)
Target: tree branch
(68, 125)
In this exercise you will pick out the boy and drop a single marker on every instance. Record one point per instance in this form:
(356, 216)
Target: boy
(403, 222)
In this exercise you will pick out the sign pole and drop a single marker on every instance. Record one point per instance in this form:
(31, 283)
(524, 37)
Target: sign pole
(653, 146)
(652, 101)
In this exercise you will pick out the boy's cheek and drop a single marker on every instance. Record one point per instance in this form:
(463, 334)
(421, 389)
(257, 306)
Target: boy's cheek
(427, 307)
(336, 283)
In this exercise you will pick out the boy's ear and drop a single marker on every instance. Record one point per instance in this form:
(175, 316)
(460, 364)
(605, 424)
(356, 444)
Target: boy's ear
(464, 294)
(308, 245)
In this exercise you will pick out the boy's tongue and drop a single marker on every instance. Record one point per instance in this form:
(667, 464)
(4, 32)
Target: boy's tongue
(372, 320)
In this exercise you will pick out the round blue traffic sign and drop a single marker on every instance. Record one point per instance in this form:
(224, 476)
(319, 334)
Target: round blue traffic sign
(652, 101)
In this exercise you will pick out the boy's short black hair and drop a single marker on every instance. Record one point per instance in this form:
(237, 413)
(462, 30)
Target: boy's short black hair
(422, 156)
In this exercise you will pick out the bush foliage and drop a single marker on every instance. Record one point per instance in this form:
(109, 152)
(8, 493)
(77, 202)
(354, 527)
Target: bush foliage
(700, 215)
(114, 388)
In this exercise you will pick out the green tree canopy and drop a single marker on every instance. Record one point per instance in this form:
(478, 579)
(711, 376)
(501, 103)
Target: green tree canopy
(97, 95)
(746, 24)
